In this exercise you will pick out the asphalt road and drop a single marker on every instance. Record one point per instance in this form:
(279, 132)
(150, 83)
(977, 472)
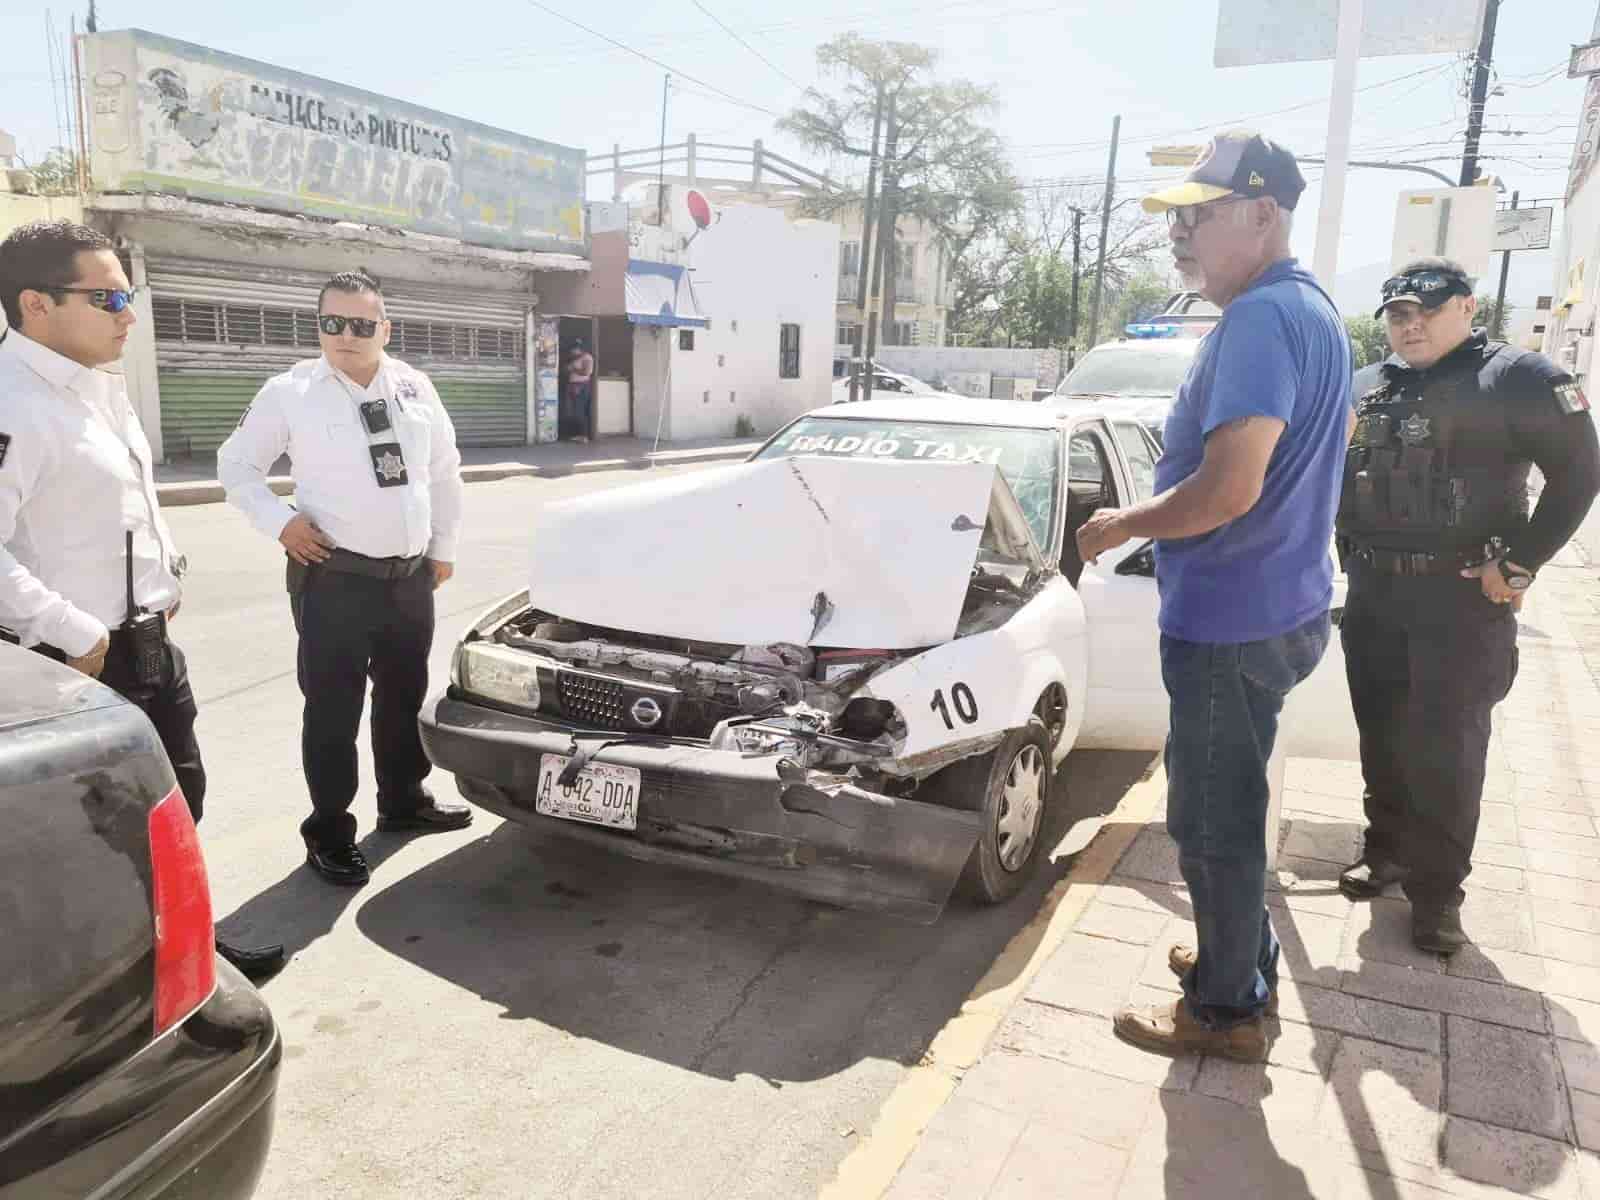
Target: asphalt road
(498, 1016)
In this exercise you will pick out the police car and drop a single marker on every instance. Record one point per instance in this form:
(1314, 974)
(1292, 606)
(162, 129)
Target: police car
(1138, 374)
(904, 645)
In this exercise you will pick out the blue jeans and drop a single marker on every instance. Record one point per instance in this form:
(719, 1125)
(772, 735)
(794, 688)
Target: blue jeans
(1225, 705)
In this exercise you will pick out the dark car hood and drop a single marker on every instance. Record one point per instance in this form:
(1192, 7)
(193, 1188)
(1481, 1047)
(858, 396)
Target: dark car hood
(33, 688)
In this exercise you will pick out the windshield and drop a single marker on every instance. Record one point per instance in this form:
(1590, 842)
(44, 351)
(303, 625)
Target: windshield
(1127, 371)
(1027, 458)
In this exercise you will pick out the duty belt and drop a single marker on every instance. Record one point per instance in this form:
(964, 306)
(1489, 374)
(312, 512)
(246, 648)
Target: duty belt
(1406, 562)
(352, 563)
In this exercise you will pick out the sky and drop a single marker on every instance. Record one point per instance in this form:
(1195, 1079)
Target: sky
(1061, 70)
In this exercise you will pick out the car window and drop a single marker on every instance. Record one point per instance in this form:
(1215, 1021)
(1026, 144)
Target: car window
(1135, 370)
(1026, 457)
(1084, 463)
(1141, 461)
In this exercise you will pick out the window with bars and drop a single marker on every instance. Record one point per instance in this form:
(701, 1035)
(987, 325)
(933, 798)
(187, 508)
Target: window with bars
(258, 325)
(788, 352)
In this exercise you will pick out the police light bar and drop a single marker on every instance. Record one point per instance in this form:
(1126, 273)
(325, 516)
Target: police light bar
(1148, 330)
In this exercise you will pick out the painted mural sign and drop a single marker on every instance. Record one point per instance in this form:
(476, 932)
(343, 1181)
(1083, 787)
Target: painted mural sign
(174, 118)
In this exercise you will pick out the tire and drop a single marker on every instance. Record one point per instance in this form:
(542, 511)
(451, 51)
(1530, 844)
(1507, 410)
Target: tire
(1010, 787)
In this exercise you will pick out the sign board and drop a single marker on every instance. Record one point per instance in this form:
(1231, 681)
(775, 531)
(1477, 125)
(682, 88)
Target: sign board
(1269, 31)
(1585, 61)
(1453, 223)
(1174, 156)
(174, 118)
(1522, 228)
(1587, 140)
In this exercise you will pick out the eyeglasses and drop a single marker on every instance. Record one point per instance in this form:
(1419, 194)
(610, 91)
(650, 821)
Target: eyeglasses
(1425, 285)
(1191, 215)
(362, 327)
(111, 300)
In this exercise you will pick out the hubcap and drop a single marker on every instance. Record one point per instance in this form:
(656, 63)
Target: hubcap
(1021, 806)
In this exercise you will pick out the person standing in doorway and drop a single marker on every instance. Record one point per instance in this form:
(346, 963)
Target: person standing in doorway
(378, 487)
(1243, 525)
(78, 506)
(1436, 534)
(580, 389)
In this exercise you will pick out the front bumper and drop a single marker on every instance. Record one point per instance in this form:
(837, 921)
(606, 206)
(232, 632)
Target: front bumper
(720, 812)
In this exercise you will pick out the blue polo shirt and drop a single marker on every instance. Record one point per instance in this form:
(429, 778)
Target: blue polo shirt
(1281, 351)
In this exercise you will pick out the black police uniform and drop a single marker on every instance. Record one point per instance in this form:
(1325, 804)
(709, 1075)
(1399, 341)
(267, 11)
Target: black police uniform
(1439, 466)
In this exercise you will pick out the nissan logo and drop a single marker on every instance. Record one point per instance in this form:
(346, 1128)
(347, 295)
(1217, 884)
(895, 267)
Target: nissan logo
(646, 712)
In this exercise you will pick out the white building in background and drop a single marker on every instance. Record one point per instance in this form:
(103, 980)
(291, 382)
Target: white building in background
(1569, 332)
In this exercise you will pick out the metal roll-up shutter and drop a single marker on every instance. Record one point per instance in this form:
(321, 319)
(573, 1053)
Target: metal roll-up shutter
(222, 330)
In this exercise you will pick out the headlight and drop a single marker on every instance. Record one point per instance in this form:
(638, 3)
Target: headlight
(497, 673)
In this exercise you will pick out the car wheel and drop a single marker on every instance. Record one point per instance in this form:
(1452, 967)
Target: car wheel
(1010, 787)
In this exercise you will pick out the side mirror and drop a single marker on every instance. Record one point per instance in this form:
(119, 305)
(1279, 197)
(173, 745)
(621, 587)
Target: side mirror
(1141, 562)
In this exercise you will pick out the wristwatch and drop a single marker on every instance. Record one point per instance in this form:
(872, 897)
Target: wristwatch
(1517, 580)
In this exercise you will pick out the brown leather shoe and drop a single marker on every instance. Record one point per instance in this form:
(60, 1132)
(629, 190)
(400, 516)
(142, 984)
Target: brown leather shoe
(1181, 958)
(1175, 1031)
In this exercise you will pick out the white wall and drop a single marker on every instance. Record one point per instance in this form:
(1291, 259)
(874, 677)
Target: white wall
(753, 270)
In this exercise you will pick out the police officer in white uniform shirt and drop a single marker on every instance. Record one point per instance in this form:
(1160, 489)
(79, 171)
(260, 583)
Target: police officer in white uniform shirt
(378, 491)
(78, 497)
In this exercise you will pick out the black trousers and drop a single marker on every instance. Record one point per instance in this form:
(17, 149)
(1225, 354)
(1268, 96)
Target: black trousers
(1428, 659)
(354, 628)
(169, 705)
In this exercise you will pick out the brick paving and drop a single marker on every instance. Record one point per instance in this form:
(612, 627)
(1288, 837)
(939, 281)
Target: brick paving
(1392, 1074)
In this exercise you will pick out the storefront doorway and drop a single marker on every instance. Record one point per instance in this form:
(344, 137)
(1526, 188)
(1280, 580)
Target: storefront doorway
(577, 343)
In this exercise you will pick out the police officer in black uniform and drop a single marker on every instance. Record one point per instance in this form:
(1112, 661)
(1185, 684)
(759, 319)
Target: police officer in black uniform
(1435, 533)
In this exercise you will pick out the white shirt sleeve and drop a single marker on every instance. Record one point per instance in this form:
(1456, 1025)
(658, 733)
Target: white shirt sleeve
(28, 606)
(444, 482)
(244, 459)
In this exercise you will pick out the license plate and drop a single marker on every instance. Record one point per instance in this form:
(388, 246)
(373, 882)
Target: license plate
(603, 794)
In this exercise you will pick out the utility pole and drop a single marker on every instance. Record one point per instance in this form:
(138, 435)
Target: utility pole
(1105, 234)
(1500, 295)
(864, 250)
(661, 166)
(1077, 253)
(885, 208)
(1480, 94)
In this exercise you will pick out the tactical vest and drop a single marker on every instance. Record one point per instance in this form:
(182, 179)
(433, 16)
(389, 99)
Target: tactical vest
(1430, 466)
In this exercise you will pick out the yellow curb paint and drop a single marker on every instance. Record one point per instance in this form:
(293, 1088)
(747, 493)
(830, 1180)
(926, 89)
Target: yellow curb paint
(869, 1169)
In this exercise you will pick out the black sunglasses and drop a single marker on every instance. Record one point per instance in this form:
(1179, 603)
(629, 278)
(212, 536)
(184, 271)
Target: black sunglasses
(111, 300)
(1425, 285)
(362, 327)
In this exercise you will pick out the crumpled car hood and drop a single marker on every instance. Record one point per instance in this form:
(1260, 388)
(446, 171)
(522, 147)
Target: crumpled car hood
(808, 551)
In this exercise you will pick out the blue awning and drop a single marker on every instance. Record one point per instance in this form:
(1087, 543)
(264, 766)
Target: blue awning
(661, 294)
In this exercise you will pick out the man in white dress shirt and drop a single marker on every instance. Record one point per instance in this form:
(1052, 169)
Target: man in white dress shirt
(75, 483)
(372, 533)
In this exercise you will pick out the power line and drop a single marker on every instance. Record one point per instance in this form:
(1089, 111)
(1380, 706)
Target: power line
(671, 70)
(725, 29)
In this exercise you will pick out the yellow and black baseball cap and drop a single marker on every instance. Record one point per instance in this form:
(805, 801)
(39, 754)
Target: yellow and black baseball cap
(1238, 163)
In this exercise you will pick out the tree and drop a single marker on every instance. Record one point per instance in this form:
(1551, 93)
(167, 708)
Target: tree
(57, 175)
(1369, 340)
(939, 162)
(1490, 316)
(1139, 297)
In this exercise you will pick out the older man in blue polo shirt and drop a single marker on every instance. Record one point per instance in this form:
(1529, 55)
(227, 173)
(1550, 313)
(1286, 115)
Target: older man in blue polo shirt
(1243, 523)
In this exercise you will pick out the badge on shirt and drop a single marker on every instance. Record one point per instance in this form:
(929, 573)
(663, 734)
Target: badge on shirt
(5, 444)
(1571, 399)
(406, 389)
(388, 464)
(1415, 429)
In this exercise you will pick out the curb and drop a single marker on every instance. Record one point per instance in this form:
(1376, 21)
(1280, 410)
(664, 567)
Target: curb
(870, 1169)
(209, 491)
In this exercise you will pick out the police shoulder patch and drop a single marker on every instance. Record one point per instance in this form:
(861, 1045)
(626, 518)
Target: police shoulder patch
(5, 444)
(1570, 397)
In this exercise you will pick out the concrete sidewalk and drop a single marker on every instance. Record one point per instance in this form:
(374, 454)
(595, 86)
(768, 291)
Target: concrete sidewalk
(1392, 1074)
(195, 481)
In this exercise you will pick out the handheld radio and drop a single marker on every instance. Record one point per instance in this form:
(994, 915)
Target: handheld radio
(144, 632)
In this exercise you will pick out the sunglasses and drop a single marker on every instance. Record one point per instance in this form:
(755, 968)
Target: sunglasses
(111, 300)
(1428, 286)
(1190, 215)
(362, 327)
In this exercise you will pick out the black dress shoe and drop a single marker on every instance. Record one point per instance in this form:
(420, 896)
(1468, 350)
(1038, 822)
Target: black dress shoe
(1367, 878)
(256, 963)
(343, 865)
(1438, 930)
(431, 817)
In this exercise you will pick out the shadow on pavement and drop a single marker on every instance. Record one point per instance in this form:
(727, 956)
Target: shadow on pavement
(717, 976)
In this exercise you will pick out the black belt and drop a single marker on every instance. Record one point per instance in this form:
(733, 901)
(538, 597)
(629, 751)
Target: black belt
(1408, 562)
(352, 563)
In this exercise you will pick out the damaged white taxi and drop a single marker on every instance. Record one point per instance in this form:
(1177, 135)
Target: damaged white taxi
(848, 667)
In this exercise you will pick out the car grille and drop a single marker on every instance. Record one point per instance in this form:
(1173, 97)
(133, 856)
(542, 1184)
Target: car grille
(604, 703)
